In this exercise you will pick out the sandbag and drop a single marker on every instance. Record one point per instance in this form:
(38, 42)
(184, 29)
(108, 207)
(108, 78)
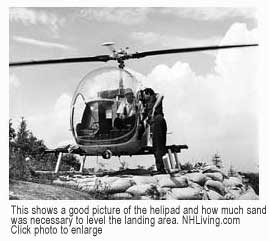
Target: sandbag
(58, 182)
(216, 176)
(195, 185)
(233, 193)
(89, 189)
(169, 196)
(249, 194)
(212, 168)
(86, 180)
(121, 195)
(215, 186)
(141, 189)
(146, 197)
(173, 182)
(120, 185)
(64, 178)
(144, 180)
(109, 180)
(70, 184)
(197, 177)
(160, 176)
(185, 193)
(212, 195)
(232, 182)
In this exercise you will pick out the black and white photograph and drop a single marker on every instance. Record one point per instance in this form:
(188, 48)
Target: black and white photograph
(133, 103)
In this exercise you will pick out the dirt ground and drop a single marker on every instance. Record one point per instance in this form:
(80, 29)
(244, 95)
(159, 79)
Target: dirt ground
(21, 190)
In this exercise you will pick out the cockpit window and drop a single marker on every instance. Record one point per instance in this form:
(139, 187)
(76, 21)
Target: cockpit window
(100, 118)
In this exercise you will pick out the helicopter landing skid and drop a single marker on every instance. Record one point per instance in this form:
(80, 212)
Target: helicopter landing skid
(148, 150)
(171, 161)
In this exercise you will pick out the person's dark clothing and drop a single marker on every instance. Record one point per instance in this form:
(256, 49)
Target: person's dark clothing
(126, 123)
(149, 106)
(158, 128)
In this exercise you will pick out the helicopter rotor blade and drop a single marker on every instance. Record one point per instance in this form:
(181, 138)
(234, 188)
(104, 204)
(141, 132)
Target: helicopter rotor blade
(186, 50)
(105, 58)
(100, 58)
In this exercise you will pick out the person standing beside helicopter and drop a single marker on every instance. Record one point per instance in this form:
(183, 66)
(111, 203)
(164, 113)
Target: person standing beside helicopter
(155, 118)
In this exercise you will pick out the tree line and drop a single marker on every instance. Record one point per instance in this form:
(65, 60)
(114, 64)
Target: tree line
(26, 154)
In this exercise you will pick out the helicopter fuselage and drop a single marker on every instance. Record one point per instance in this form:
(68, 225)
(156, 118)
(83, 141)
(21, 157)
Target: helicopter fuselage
(95, 114)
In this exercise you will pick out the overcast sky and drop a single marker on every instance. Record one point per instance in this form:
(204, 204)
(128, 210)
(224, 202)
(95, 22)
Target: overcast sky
(210, 97)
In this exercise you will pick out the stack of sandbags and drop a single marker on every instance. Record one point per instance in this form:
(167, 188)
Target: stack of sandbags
(210, 183)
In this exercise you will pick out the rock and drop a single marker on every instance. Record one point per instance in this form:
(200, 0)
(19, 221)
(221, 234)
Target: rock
(215, 186)
(185, 193)
(216, 176)
(141, 189)
(173, 182)
(197, 177)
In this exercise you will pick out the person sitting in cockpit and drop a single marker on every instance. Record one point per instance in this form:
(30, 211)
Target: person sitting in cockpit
(126, 111)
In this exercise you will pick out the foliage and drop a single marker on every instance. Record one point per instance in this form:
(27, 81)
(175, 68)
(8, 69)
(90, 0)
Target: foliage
(123, 165)
(188, 166)
(232, 172)
(69, 162)
(151, 168)
(199, 165)
(140, 167)
(12, 132)
(252, 179)
(26, 154)
(216, 160)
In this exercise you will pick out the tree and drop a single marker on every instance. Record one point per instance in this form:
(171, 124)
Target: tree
(232, 172)
(12, 136)
(12, 132)
(26, 146)
(22, 138)
(216, 160)
(70, 161)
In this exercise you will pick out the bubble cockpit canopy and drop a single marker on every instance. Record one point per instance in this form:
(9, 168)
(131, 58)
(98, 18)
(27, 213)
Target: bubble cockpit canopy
(95, 106)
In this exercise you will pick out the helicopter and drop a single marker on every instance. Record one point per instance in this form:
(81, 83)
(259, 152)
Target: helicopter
(95, 102)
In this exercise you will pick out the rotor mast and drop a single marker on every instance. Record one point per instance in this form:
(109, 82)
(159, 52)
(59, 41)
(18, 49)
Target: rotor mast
(119, 57)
